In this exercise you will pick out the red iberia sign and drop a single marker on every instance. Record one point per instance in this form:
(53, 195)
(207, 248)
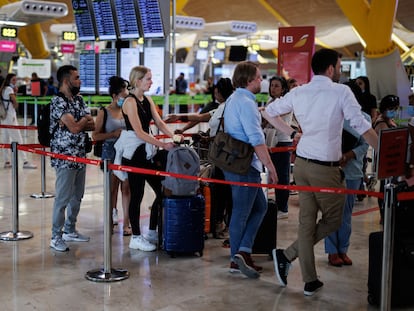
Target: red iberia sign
(296, 47)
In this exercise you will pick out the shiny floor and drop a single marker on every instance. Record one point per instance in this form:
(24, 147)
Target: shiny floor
(34, 277)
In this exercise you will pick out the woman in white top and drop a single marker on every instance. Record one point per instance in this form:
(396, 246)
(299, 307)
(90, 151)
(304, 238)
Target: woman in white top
(281, 160)
(8, 135)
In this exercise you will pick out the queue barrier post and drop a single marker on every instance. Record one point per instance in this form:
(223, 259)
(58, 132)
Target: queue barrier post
(43, 194)
(15, 234)
(390, 199)
(107, 274)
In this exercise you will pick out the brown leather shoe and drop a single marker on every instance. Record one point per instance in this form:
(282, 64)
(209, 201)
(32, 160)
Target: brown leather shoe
(346, 260)
(335, 260)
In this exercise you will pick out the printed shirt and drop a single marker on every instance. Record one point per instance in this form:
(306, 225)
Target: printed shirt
(63, 141)
(320, 107)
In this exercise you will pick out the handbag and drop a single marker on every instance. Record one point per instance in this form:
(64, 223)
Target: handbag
(230, 154)
(3, 109)
(88, 143)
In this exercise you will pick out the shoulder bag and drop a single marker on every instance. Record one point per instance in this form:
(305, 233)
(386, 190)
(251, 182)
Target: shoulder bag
(228, 153)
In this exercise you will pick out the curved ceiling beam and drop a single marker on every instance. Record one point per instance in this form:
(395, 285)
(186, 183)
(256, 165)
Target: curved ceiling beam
(283, 21)
(365, 18)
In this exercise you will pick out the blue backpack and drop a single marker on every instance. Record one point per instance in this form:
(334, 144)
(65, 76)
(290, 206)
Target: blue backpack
(182, 160)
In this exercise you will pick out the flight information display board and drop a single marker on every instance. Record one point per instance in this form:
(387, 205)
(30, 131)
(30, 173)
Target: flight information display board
(107, 68)
(83, 20)
(151, 21)
(87, 73)
(104, 19)
(127, 19)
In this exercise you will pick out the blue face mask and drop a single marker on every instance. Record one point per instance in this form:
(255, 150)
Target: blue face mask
(120, 101)
(391, 114)
(410, 111)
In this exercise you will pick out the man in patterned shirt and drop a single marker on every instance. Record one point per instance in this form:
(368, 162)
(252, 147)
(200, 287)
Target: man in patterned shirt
(70, 112)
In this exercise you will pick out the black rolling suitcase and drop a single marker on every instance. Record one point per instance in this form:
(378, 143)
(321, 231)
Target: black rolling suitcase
(183, 225)
(265, 240)
(402, 273)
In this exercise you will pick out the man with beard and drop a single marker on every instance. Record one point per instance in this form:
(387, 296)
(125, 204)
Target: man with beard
(320, 107)
(69, 119)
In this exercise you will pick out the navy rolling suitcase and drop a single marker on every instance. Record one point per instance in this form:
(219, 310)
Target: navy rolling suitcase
(183, 225)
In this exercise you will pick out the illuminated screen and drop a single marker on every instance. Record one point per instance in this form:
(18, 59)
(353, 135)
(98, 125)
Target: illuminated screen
(83, 20)
(107, 68)
(127, 19)
(150, 16)
(87, 74)
(104, 19)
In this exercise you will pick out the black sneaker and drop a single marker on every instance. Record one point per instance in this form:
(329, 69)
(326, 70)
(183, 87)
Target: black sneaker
(312, 287)
(282, 266)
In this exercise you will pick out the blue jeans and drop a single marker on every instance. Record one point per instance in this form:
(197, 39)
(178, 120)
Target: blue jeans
(338, 241)
(281, 161)
(69, 188)
(249, 209)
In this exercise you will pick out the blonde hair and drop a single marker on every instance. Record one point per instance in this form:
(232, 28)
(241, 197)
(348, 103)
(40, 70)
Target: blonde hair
(137, 73)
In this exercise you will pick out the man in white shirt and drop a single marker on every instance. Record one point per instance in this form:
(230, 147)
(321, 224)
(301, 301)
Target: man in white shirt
(320, 107)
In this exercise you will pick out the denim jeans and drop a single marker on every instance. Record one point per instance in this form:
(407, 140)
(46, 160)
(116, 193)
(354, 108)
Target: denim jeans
(338, 241)
(281, 161)
(69, 189)
(249, 209)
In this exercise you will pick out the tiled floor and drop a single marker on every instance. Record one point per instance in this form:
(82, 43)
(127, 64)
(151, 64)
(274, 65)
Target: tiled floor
(33, 277)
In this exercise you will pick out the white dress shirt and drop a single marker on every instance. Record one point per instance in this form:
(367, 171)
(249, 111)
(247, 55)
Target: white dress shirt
(320, 107)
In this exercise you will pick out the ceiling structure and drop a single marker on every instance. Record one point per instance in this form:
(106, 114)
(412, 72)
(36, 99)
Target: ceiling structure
(332, 27)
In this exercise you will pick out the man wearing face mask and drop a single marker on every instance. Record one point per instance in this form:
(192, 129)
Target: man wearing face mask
(388, 108)
(70, 116)
(109, 124)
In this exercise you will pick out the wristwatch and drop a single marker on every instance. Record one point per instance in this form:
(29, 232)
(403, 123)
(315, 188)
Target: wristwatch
(293, 134)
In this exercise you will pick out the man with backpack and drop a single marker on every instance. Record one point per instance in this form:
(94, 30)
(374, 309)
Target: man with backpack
(69, 111)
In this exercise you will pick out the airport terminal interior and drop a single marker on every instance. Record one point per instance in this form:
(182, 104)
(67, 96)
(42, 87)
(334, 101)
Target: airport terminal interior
(33, 276)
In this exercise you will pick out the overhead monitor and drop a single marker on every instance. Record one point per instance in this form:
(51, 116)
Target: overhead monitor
(107, 68)
(202, 54)
(129, 58)
(83, 20)
(104, 19)
(151, 20)
(127, 19)
(87, 71)
(238, 53)
(219, 55)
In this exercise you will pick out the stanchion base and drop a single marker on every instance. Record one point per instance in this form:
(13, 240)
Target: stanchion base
(15, 236)
(43, 195)
(99, 275)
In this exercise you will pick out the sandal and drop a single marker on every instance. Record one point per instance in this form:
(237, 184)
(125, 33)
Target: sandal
(127, 232)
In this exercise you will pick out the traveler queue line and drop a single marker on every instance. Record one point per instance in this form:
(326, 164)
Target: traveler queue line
(107, 273)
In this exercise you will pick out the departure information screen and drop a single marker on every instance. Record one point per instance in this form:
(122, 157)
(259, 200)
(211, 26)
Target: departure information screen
(104, 19)
(107, 68)
(151, 21)
(83, 20)
(127, 19)
(87, 71)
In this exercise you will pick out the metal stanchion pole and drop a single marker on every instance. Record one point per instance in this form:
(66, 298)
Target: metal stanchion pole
(15, 234)
(43, 194)
(107, 274)
(388, 246)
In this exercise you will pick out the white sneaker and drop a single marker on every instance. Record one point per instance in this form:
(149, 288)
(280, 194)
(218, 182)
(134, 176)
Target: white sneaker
(114, 216)
(75, 237)
(282, 215)
(27, 164)
(139, 242)
(58, 244)
(152, 237)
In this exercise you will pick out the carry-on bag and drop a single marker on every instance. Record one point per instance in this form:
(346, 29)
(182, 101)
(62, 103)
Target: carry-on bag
(265, 240)
(183, 225)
